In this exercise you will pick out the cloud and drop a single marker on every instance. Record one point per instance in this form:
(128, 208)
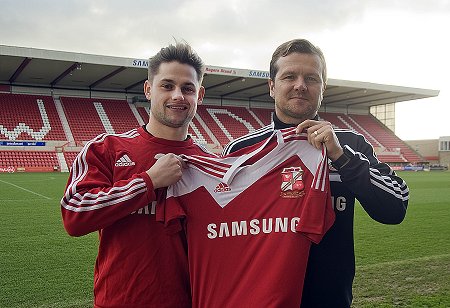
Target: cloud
(386, 41)
(126, 28)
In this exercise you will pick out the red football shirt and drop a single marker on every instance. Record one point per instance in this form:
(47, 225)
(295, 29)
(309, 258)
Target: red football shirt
(138, 264)
(250, 219)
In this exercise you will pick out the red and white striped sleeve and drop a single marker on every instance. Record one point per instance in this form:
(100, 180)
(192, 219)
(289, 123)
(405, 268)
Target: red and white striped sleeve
(92, 201)
(318, 215)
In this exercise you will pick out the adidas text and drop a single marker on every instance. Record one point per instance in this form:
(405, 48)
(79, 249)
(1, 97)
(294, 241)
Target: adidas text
(124, 161)
(124, 164)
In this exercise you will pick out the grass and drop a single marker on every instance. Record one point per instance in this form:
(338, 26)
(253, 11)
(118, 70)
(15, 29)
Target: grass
(406, 265)
(40, 265)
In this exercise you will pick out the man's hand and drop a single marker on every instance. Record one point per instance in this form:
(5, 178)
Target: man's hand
(321, 132)
(166, 171)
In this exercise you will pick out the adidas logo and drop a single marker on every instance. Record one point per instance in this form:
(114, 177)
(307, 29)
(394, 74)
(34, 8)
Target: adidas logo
(222, 187)
(124, 161)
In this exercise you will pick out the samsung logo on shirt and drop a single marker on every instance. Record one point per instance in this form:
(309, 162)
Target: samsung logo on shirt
(253, 227)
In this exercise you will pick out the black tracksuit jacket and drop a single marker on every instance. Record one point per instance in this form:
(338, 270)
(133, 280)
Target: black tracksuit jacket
(382, 194)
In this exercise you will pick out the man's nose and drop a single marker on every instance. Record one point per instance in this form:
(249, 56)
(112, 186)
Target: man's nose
(300, 85)
(177, 94)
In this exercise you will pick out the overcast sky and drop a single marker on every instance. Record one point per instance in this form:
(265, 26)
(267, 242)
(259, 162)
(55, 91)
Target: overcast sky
(398, 42)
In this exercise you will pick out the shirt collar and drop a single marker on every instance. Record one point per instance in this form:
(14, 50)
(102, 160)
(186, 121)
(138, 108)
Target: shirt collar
(278, 124)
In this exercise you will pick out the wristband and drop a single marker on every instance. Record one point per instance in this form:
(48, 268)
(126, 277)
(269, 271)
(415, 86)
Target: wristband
(344, 159)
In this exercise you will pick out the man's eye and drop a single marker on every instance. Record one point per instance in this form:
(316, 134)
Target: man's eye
(167, 86)
(312, 79)
(188, 90)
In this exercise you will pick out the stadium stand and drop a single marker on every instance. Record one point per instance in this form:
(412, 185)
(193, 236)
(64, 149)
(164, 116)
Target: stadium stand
(56, 106)
(120, 115)
(388, 140)
(29, 117)
(334, 119)
(389, 147)
(70, 157)
(228, 123)
(198, 131)
(213, 125)
(89, 117)
(82, 117)
(143, 112)
(263, 114)
(29, 160)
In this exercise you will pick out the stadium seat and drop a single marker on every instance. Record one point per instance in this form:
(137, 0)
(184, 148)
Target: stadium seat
(23, 159)
(86, 121)
(29, 117)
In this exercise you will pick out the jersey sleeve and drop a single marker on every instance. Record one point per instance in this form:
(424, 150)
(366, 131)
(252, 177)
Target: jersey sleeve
(317, 214)
(92, 201)
(170, 211)
(383, 195)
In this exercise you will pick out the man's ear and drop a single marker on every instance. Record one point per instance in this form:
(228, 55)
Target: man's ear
(201, 95)
(271, 85)
(147, 89)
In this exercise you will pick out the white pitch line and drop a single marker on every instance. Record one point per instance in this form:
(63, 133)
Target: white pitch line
(30, 191)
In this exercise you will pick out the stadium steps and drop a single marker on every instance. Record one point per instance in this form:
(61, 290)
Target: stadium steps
(119, 114)
(363, 131)
(253, 114)
(206, 131)
(70, 156)
(136, 114)
(82, 117)
(104, 118)
(210, 124)
(373, 131)
(239, 121)
(194, 131)
(213, 112)
(264, 115)
(387, 138)
(63, 119)
(229, 123)
(62, 162)
(143, 112)
(335, 121)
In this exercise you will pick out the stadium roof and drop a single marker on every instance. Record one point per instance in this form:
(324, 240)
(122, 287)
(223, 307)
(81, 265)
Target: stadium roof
(20, 66)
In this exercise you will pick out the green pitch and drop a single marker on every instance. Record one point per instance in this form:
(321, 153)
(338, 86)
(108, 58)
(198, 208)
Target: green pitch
(407, 265)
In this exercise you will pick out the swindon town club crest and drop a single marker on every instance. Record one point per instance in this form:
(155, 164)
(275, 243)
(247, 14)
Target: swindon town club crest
(292, 185)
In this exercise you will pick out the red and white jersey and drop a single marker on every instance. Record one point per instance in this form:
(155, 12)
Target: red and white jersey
(138, 263)
(250, 219)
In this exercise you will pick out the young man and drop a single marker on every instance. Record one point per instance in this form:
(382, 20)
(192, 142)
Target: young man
(297, 82)
(116, 179)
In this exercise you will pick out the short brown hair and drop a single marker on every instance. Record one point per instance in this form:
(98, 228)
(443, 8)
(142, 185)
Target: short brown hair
(299, 46)
(180, 52)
